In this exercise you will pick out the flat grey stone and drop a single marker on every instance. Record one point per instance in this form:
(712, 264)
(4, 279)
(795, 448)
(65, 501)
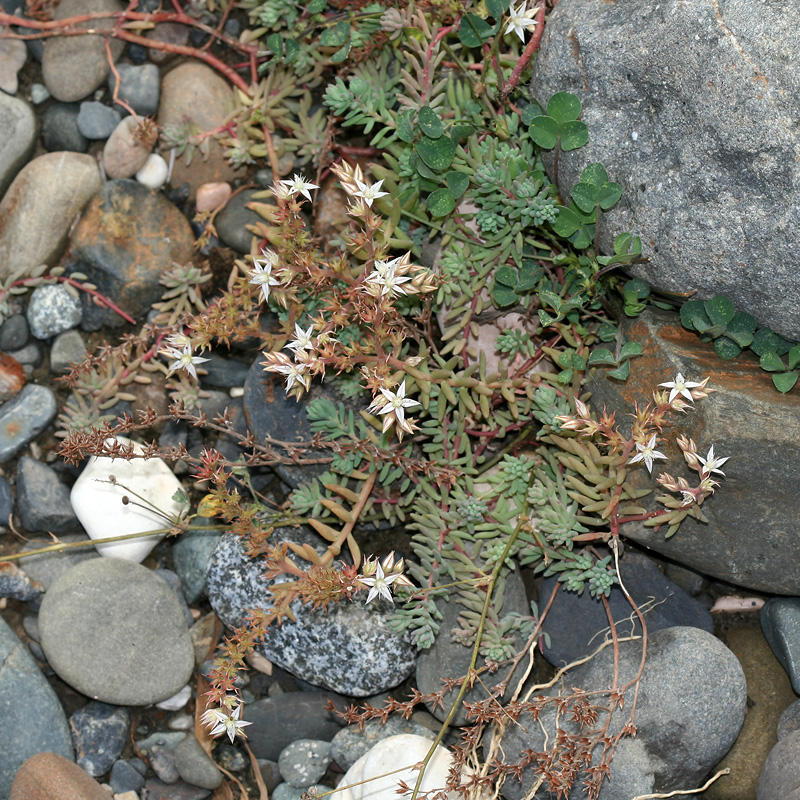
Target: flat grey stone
(97, 120)
(194, 765)
(353, 741)
(780, 621)
(691, 107)
(32, 720)
(99, 733)
(68, 348)
(116, 632)
(42, 499)
(691, 705)
(52, 310)
(304, 762)
(18, 130)
(780, 776)
(24, 418)
(140, 87)
(46, 568)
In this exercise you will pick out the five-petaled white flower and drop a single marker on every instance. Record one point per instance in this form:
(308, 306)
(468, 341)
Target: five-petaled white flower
(680, 387)
(385, 275)
(520, 20)
(369, 193)
(222, 723)
(183, 359)
(711, 464)
(393, 406)
(294, 374)
(262, 272)
(647, 453)
(379, 584)
(302, 339)
(299, 184)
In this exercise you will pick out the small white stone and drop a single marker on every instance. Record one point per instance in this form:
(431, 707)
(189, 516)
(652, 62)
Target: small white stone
(100, 506)
(387, 756)
(154, 173)
(39, 93)
(177, 701)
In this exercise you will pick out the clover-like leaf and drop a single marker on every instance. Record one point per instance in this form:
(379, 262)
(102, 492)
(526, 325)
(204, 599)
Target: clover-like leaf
(474, 31)
(573, 135)
(771, 362)
(457, 183)
(564, 107)
(630, 349)
(530, 273)
(504, 295)
(429, 122)
(316, 6)
(440, 203)
(785, 381)
(532, 110)
(720, 310)
(506, 275)
(726, 348)
(602, 356)
(436, 153)
(335, 36)
(405, 126)
(621, 372)
(544, 131)
(764, 341)
(794, 356)
(694, 316)
(741, 329)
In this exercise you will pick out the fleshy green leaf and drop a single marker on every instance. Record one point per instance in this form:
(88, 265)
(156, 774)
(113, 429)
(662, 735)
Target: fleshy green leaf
(564, 107)
(436, 153)
(794, 356)
(771, 362)
(785, 381)
(440, 203)
(457, 183)
(429, 122)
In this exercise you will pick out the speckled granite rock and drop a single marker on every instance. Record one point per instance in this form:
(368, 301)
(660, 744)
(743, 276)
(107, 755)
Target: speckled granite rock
(348, 648)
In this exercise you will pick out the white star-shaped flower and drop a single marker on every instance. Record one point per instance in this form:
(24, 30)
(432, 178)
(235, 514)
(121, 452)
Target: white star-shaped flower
(393, 406)
(302, 339)
(520, 20)
(294, 374)
(711, 464)
(298, 184)
(262, 272)
(222, 723)
(647, 453)
(680, 387)
(183, 359)
(369, 193)
(379, 584)
(385, 276)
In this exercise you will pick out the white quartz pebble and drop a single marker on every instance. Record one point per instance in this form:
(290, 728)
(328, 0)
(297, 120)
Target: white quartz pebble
(154, 173)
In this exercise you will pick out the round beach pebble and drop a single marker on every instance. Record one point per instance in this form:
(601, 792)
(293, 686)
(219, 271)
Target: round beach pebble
(114, 631)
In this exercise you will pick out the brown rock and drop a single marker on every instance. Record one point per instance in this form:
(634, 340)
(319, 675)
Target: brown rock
(126, 151)
(127, 238)
(751, 535)
(194, 93)
(769, 692)
(47, 776)
(39, 207)
(12, 377)
(74, 66)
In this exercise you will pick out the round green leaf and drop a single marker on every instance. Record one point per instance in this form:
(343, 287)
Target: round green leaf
(341, 54)
(621, 372)
(564, 107)
(720, 310)
(545, 132)
(574, 135)
(630, 349)
(335, 36)
(436, 153)
(457, 183)
(794, 356)
(533, 109)
(440, 203)
(567, 222)
(608, 195)
(602, 356)
(316, 6)
(405, 128)
(504, 296)
(461, 132)
(785, 381)
(726, 348)
(506, 275)
(694, 317)
(594, 174)
(429, 122)
(638, 287)
(771, 362)
(585, 196)
(764, 341)
(530, 273)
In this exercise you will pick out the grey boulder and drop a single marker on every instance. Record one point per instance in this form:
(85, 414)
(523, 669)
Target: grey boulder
(692, 107)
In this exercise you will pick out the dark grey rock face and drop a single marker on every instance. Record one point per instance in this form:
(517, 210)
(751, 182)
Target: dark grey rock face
(692, 107)
(780, 621)
(349, 648)
(690, 708)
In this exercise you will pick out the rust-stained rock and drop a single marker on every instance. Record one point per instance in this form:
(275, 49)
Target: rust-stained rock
(127, 238)
(752, 534)
(12, 377)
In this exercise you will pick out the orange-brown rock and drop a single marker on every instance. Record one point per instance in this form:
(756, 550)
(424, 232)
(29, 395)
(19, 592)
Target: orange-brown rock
(752, 530)
(12, 377)
(47, 776)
